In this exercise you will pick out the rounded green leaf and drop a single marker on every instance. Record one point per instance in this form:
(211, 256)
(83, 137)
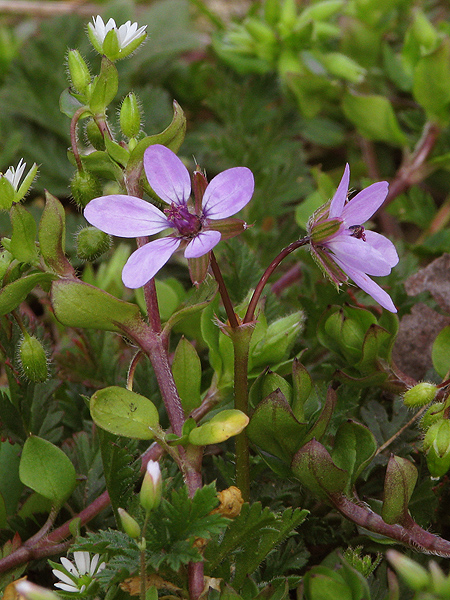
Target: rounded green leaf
(221, 427)
(440, 353)
(47, 470)
(123, 412)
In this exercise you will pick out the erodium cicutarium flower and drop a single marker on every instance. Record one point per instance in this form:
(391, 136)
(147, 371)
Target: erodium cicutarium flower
(344, 249)
(198, 225)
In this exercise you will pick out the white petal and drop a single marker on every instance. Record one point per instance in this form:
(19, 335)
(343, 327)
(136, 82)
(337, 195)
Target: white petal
(82, 561)
(63, 576)
(68, 564)
(94, 562)
(67, 588)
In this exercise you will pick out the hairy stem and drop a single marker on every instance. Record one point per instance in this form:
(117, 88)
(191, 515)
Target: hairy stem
(73, 136)
(224, 293)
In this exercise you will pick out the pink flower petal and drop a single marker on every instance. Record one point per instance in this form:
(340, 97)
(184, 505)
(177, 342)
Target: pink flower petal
(167, 175)
(146, 261)
(339, 198)
(202, 243)
(370, 287)
(384, 246)
(228, 192)
(125, 216)
(365, 204)
(359, 255)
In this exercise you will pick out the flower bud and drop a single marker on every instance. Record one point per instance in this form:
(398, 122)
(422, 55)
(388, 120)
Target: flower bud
(94, 135)
(130, 118)
(80, 76)
(414, 575)
(92, 243)
(437, 440)
(130, 525)
(33, 359)
(151, 490)
(84, 187)
(420, 394)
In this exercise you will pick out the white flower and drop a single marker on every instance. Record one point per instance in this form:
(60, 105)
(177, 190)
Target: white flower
(14, 175)
(128, 36)
(77, 577)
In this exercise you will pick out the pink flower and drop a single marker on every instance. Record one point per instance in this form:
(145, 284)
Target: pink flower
(344, 249)
(198, 226)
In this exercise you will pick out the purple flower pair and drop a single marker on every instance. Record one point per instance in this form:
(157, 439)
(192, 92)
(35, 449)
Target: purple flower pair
(343, 248)
(198, 225)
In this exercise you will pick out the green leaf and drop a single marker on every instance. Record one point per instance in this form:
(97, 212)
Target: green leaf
(14, 293)
(47, 470)
(431, 87)
(123, 412)
(78, 304)
(198, 299)
(302, 384)
(117, 152)
(399, 483)
(374, 118)
(187, 372)
(440, 353)
(353, 449)
(221, 427)
(23, 239)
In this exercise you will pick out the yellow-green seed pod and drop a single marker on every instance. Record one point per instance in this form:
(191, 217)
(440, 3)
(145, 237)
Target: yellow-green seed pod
(84, 186)
(92, 243)
(130, 116)
(33, 359)
(420, 394)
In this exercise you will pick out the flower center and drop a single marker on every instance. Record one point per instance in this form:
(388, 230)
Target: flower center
(181, 219)
(357, 231)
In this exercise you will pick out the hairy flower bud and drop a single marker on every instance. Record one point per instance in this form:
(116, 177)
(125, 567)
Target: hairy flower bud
(420, 394)
(130, 525)
(92, 243)
(151, 490)
(80, 76)
(33, 359)
(84, 187)
(130, 118)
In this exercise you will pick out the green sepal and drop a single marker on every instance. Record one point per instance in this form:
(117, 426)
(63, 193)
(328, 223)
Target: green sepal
(353, 449)
(52, 236)
(172, 137)
(14, 293)
(117, 152)
(7, 193)
(315, 469)
(302, 386)
(274, 429)
(187, 373)
(23, 238)
(47, 470)
(272, 381)
(110, 46)
(320, 426)
(375, 340)
(123, 412)
(26, 183)
(78, 304)
(105, 87)
(399, 483)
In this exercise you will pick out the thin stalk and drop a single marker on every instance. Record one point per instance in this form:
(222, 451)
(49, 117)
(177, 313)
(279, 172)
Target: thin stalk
(224, 293)
(402, 429)
(241, 342)
(73, 136)
(250, 314)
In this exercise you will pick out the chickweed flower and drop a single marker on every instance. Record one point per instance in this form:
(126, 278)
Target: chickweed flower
(11, 188)
(344, 249)
(115, 42)
(198, 225)
(79, 576)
